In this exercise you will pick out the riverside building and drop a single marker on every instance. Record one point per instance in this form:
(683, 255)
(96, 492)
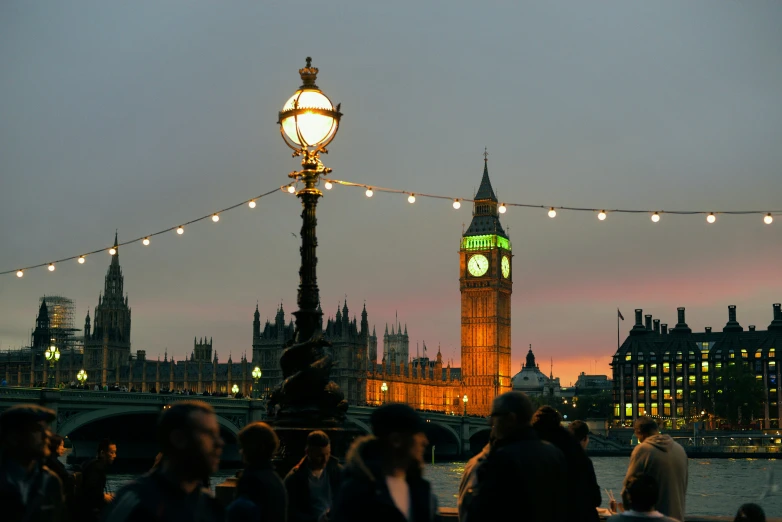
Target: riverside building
(673, 375)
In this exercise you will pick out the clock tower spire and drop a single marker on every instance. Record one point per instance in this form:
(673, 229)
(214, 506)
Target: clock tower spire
(485, 283)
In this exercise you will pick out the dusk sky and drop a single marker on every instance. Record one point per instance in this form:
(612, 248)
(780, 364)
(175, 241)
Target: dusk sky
(139, 116)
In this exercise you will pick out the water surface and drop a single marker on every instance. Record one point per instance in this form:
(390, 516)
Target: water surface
(716, 487)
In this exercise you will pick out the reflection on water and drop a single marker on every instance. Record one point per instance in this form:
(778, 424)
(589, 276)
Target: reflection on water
(716, 486)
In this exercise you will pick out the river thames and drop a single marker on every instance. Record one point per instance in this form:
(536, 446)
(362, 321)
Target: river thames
(716, 486)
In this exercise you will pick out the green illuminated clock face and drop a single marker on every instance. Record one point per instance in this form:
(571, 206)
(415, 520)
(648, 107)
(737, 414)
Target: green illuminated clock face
(478, 265)
(505, 267)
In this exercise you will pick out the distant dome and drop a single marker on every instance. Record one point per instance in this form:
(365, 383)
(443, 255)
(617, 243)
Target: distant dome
(529, 379)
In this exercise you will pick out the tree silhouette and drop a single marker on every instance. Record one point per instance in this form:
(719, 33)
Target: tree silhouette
(739, 396)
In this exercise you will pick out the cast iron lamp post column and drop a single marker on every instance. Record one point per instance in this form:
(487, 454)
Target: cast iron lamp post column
(256, 377)
(384, 389)
(81, 377)
(308, 122)
(52, 355)
(464, 400)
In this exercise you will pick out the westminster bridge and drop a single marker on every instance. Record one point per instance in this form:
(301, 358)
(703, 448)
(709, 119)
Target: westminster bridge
(129, 418)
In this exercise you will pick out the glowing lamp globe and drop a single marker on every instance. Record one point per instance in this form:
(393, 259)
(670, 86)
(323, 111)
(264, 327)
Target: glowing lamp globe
(256, 373)
(235, 389)
(19, 273)
(464, 399)
(308, 120)
(768, 219)
(711, 218)
(655, 217)
(601, 215)
(552, 213)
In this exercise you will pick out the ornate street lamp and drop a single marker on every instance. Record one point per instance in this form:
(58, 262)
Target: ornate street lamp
(235, 390)
(52, 355)
(308, 122)
(256, 377)
(81, 377)
(384, 389)
(464, 400)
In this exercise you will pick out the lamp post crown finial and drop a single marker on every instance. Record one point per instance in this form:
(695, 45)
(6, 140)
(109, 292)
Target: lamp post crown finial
(308, 75)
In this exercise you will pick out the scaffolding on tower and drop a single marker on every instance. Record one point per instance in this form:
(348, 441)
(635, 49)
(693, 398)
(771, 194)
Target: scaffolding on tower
(61, 311)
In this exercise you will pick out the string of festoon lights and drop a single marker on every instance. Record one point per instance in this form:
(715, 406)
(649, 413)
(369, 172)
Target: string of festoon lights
(145, 239)
(602, 214)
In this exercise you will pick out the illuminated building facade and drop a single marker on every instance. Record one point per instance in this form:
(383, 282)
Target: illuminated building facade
(674, 375)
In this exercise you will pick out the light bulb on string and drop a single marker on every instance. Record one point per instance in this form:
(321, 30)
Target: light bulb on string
(655, 217)
(768, 219)
(411, 198)
(81, 260)
(215, 218)
(251, 204)
(180, 230)
(370, 192)
(51, 267)
(552, 213)
(711, 218)
(19, 273)
(601, 215)
(113, 251)
(503, 208)
(457, 204)
(291, 189)
(145, 241)
(328, 185)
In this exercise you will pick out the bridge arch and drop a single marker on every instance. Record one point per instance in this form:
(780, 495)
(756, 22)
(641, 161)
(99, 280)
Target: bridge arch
(360, 424)
(444, 438)
(479, 438)
(79, 420)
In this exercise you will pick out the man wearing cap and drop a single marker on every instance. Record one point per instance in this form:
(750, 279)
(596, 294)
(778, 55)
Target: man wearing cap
(521, 473)
(28, 489)
(383, 481)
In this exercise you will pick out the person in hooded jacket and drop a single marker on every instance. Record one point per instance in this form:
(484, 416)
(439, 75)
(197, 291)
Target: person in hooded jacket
(383, 473)
(469, 482)
(582, 488)
(665, 460)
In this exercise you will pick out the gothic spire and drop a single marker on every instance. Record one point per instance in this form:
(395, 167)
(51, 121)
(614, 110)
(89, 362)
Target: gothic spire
(485, 212)
(485, 190)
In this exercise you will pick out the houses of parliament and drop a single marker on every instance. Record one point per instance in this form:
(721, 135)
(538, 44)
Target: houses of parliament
(485, 281)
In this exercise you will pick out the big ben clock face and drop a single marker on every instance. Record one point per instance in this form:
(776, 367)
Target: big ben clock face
(478, 265)
(505, 267)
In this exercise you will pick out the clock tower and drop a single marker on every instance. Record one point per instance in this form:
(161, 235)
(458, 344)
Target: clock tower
(485, 283)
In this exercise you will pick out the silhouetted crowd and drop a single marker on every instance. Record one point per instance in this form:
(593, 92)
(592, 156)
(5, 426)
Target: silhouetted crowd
(532, 469)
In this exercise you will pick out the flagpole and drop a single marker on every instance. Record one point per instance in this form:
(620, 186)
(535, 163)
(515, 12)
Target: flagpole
(617, 330)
